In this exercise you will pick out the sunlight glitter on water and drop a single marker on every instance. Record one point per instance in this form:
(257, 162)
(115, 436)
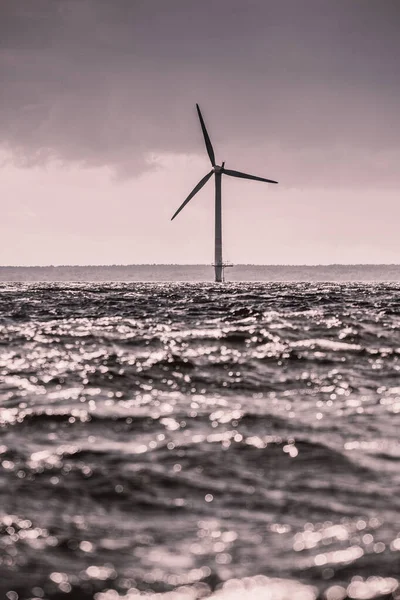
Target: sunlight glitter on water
(160, 437)
(252, 588)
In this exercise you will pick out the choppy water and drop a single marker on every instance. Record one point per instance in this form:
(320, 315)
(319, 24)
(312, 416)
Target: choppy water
(194, 440)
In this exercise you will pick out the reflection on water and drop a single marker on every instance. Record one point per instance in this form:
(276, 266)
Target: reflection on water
(184, 441)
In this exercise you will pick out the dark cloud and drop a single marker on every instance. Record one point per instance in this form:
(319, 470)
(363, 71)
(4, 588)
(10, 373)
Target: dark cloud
(309, 87)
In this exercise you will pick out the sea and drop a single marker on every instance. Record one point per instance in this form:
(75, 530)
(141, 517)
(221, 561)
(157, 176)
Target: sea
(181, 440)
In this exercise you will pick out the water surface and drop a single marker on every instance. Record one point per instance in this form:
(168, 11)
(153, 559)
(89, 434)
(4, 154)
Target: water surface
(194, 440)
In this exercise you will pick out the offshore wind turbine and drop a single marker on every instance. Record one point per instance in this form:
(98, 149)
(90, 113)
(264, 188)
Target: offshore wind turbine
(218, 171)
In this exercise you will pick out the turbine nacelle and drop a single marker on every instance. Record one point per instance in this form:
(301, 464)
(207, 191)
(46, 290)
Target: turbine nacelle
(218, 169)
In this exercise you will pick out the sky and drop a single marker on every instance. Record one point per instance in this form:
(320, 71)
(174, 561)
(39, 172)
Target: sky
(100, 141)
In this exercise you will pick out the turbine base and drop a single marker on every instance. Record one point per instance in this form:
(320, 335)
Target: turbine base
(220, 271)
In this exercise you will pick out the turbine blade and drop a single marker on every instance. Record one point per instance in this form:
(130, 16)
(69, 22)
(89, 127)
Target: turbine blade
(193, 193)
(207, 140)
(246, 176)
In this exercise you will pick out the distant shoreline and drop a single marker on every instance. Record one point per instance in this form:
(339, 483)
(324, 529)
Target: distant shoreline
(126, 265)
(201, 273)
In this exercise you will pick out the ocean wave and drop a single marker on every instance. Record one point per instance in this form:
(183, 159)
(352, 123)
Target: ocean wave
(168, 440)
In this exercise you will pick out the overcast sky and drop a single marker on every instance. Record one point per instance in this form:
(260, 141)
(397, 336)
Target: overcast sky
(100, 141)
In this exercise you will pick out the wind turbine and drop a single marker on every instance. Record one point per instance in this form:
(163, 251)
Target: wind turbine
(218, 171)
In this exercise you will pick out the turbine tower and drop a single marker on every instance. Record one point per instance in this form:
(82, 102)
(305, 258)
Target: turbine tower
(218, 171)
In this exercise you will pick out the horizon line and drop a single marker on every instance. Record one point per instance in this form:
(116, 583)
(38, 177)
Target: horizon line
(116, 265)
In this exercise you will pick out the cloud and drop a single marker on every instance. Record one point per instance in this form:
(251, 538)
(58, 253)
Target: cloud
(307, 87)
